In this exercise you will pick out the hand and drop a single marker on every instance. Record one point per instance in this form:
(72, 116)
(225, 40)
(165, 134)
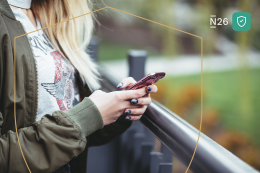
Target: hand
(112, 105)
(142, 102)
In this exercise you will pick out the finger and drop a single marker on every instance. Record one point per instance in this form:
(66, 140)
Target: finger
(133, 118)
(127, 82)
(142, 101)
(151, 89)
(133, 94)
(137, 111)
(147, 95)
(127, 104)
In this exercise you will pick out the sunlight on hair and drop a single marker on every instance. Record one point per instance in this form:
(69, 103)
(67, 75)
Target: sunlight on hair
(70, 38)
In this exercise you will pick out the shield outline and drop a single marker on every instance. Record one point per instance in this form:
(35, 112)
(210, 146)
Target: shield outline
(239, 23)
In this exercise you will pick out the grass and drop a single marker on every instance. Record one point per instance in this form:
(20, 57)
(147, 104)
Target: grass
(235, 94)
(115, 51)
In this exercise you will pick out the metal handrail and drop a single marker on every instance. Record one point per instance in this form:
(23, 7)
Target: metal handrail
(180, 138)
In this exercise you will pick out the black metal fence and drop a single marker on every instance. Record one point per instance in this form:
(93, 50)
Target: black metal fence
(138, 151)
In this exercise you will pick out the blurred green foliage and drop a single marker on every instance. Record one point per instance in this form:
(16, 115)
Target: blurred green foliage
(222, 93)
(164, 12)
(224, 119)
(109, 50)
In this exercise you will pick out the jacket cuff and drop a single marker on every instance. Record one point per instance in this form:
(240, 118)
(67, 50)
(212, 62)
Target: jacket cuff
(87, 116)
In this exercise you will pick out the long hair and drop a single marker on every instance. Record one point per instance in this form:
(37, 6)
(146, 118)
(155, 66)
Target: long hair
(72, 37)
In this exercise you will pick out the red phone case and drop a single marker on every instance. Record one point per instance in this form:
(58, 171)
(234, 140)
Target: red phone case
(147, 80)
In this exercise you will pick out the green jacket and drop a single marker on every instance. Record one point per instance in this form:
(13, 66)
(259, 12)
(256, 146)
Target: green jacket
(56, 139)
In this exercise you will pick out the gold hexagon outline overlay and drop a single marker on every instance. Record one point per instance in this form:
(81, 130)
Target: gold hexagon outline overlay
(131, 15)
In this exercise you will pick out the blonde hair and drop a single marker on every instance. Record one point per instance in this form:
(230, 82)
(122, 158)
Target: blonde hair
(72, 37)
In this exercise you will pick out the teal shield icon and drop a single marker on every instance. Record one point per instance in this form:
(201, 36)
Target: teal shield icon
(241, 21)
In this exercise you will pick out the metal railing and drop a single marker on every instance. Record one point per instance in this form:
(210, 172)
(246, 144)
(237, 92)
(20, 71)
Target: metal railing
(175, 133)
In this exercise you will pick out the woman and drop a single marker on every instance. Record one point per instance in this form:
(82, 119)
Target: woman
(58, 116)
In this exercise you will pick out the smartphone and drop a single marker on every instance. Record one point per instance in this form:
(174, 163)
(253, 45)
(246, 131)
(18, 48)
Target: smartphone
(147, 80)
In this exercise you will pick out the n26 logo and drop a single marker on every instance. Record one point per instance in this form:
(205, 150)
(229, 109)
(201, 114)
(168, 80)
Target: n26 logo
(214, 21)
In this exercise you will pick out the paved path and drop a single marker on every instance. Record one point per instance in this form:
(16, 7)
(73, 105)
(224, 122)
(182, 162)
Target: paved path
(186, 65)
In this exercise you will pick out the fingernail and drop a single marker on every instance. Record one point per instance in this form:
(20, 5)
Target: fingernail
(149, 88)
(127, 112)
(128, 118)
(134, 101)
(120, 85)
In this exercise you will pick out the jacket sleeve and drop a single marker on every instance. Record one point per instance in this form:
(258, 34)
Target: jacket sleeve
(51, 142)
(110, 131)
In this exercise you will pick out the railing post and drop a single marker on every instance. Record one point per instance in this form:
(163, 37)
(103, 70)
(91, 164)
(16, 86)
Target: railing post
(136, 61)
(146, 148)
(165, 168)
(167, 154)
(92, 48)
(155, 159)
(126, 151)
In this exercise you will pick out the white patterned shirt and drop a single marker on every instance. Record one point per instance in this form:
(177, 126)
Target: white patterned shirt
(57, 89)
